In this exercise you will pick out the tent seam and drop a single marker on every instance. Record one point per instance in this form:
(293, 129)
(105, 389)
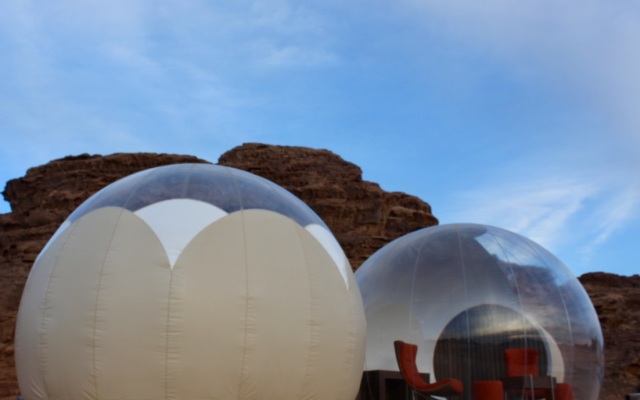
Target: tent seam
(95, 308)
(247, 297)
(166, 348)
(312, 310)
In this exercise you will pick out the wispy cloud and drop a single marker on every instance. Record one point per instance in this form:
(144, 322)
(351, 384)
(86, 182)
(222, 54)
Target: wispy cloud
(144, 76)
(578, 213)
(271, 56)
(583, 56)
(538, 209)
(621, 207)
(587, 50)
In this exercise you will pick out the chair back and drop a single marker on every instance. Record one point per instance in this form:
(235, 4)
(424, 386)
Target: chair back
(521, 361)
(406, 357)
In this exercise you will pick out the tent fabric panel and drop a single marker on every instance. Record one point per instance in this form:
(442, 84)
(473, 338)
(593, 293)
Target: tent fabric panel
(209, 285)
(28, 357)
(67, 354)
(130, 340)
(358, 339)
(335, 336)
(279, 318)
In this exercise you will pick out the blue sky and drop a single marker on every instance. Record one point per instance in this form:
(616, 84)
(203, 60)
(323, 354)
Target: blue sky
(521, 115)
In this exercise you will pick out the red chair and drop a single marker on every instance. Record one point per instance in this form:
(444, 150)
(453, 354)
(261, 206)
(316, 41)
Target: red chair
(489, 390)
(523, 362)
(406, 357)
(564, 391)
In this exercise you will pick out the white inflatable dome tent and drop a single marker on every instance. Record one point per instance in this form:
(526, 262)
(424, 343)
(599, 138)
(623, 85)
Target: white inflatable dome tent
(191, 281)
(465, 292)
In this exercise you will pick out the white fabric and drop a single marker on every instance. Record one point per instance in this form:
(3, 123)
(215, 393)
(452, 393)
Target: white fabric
(177, 221)
(252, 309)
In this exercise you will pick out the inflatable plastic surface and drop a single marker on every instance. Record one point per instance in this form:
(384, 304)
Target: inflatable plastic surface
(464, 293)
(191, 281)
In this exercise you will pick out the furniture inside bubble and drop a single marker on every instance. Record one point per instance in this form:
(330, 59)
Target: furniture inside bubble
(488, 390)
(523, 377)
(406, 356)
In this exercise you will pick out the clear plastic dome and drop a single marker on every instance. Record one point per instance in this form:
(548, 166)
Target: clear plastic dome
(179, 200)
(464, 293)
(191, 281)
(226, 188)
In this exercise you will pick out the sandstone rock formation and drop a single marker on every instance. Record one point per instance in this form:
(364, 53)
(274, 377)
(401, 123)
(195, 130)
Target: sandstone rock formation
(362, 215)
(617, 302)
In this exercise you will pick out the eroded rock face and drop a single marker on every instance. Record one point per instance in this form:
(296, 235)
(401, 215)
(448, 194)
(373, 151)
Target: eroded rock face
(617, 303)
(362, 216)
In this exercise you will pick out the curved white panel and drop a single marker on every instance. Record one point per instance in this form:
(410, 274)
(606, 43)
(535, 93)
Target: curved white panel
(177, 221)
(57, 233)
(332, 246)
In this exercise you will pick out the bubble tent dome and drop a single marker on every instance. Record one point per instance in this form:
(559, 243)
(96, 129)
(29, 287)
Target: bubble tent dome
(465, 292)
(191, 281)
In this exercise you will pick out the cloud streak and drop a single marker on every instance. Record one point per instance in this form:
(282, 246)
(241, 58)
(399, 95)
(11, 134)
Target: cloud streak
(623, 206)
(583, 49)
(570, 214)
(537, 209)
(579, 55)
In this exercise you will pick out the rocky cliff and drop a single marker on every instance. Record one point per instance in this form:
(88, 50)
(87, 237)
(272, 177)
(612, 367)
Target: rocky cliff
(362, 216)
(617, 302)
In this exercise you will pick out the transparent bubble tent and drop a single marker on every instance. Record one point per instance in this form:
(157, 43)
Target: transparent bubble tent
(464, 293)
(191, 281)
